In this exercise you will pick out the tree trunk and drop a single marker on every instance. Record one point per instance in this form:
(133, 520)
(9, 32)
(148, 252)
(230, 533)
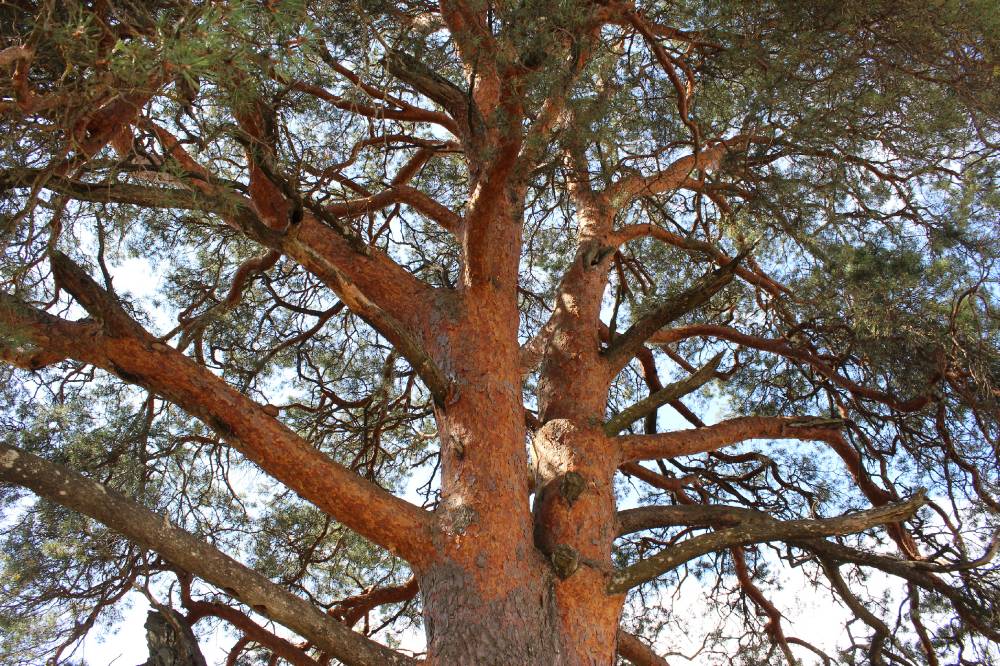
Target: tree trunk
(504, 595)
(512, 584)
(171, 641)
(516, 586)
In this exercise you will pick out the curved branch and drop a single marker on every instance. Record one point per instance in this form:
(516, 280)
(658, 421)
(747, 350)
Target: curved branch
(120, 346)
(250, 629)
(435, 87)
(881, 630)
(676, 175)
(688, 515)
(413, 114)
(759, 530)
(155, 532)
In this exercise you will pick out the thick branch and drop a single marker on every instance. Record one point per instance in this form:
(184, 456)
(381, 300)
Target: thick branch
(688, 515)
(371, 284)
(155, 532)
(758, 531)
(669, 179)
(731, 431)
(413, 114)
(637, 652)
(140, 359)
(668, 393)
(710, 438)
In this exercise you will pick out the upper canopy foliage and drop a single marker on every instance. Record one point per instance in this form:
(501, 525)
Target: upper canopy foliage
(848, 149)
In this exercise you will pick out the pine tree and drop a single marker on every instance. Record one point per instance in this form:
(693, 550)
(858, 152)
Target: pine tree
(511, 325)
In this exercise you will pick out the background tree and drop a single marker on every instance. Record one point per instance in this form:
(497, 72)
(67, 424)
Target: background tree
(437, 286)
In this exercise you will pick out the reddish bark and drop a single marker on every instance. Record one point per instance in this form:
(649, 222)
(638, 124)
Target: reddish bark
(502, 582)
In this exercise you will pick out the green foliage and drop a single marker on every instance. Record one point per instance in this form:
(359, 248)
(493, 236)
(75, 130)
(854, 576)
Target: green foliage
(868, 193)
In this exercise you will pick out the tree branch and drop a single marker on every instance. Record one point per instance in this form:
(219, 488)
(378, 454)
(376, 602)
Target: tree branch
(413, 114)
(756, 531)
(394, 194)
(134, 355)
(914, 571)
(676, 175)
(700, 440)
(435, 87)
(155, 532)
(258, 634)
(634, 650)
(371, 284)
(689, 244)
(673, 391)
(687, 515)
(352, 609)
(623, 348)
(786, 350)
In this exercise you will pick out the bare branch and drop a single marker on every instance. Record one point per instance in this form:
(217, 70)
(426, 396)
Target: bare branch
(405, 194)
(693, 245)
(731, 431)
(352, 609)
(409, 114)
(668, 393)
(757, 531)
(250, 629)
(149, 530)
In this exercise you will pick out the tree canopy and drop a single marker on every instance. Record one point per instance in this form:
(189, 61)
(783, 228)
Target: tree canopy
(340, 323)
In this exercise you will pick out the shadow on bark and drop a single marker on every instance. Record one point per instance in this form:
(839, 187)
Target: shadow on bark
(171, 641)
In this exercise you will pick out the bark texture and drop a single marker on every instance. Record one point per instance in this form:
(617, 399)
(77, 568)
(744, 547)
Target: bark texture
(171, 641)
(483, 137)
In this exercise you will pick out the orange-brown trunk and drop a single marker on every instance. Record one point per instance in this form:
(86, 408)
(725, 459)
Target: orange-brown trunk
(514, 584)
